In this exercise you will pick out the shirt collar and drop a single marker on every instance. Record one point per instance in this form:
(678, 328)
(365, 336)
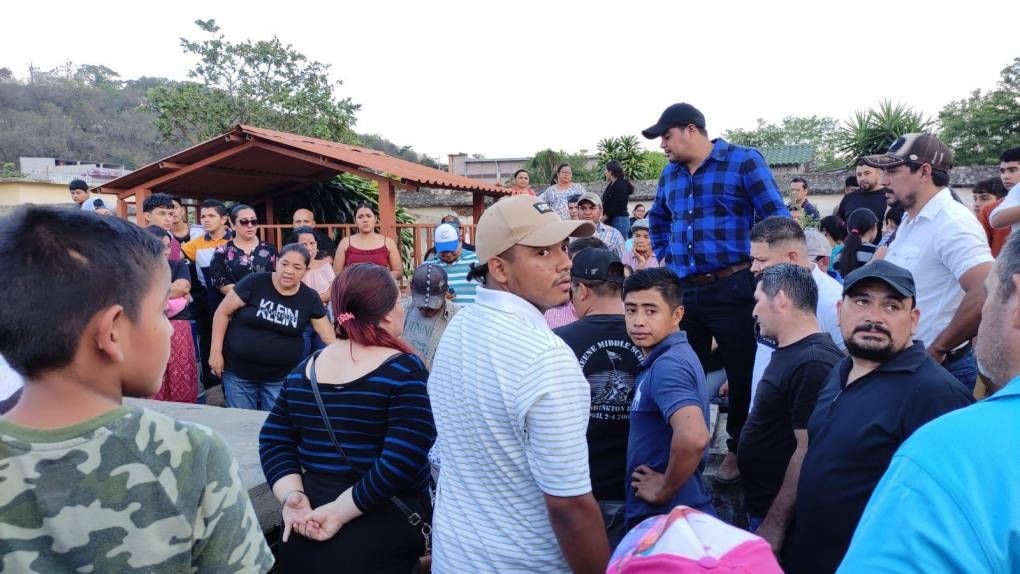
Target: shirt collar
(510, 303)
(909, 360)
(226, 236)
(1011, 388)
(719, 149)
(935, 204)
(663, 346)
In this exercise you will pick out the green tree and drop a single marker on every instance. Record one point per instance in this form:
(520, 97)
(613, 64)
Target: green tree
(264, 83)
(655, 162)
(626, 150)
(980, 127)
(873, 131)
(543, 165)
(820, 132)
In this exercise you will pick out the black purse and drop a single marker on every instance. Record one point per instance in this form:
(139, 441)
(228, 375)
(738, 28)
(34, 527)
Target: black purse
(413, 518)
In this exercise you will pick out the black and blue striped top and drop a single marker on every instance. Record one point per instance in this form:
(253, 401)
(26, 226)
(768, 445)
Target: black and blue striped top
(383, 420)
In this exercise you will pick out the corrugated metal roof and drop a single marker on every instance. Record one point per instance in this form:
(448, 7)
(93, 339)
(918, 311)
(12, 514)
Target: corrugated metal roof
(788, 154)
(266, 167)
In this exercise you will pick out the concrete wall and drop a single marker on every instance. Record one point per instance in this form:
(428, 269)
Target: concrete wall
(18, 192)
(429, 205)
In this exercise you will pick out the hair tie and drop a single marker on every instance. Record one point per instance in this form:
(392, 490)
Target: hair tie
(344, 317)
(855, 230)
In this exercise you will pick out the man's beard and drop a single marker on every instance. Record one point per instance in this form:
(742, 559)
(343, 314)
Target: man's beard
(871, 353)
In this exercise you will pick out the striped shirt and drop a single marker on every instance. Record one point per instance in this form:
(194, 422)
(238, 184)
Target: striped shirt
(511, 407)
(382, 420)
(456, 276)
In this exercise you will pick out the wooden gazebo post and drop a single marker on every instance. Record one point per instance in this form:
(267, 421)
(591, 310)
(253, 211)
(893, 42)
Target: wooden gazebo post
(388, 210)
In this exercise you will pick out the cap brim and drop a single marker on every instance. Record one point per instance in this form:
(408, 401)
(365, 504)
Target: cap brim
(901, 289)
(446, 245)
(655, 131)
(883, 160)
(431, 301)
(555, 231)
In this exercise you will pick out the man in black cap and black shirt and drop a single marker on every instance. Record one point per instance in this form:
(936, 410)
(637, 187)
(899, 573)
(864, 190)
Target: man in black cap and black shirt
(610, 362)
(708, 198)
(872, 401)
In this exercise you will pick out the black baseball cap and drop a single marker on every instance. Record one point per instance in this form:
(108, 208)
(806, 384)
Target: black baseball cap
(429, 286)
(682, 114)
(78, 184)
(597, 264)
(916, 148)
(893, 275)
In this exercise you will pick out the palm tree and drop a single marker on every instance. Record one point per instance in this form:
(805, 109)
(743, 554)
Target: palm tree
(626, 150)
(873, 131)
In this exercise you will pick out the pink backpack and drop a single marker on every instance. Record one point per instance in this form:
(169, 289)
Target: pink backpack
(688, 540)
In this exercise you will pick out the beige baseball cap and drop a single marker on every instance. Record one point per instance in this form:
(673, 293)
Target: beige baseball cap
(523, 220)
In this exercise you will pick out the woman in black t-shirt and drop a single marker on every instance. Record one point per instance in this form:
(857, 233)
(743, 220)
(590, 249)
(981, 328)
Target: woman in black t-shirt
(257, 330)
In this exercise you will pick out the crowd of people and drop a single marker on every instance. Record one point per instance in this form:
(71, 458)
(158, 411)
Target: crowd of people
(539, 398)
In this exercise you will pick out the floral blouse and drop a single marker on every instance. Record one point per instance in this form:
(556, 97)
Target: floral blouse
(230, 263)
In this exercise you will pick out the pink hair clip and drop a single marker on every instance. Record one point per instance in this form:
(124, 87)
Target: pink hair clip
(344, 317)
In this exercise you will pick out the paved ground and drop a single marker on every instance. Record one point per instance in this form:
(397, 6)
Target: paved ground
(728, 499)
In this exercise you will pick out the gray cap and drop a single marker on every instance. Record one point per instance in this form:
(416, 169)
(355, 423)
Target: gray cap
(429, 286)
(592, 197)
(817, 244)
(640, 224)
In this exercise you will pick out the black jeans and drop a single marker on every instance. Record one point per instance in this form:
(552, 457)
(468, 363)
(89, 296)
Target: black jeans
(723, 310)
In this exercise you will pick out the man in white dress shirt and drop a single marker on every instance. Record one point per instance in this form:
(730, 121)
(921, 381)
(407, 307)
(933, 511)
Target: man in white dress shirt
(943, 246)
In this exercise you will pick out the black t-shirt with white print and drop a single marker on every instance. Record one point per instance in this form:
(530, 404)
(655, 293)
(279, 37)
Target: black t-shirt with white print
(610, 363)
(264, 340)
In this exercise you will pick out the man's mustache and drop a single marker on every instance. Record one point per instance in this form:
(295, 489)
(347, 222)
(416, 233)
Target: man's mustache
(872, 328)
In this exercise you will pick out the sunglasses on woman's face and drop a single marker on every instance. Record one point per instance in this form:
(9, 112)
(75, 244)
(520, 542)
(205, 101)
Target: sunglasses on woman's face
(248, 222)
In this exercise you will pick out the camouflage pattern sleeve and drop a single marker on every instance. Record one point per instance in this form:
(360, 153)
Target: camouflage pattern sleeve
(226, 530)
(129, 491)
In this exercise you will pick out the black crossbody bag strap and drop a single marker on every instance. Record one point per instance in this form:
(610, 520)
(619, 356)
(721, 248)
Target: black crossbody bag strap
(413, 517)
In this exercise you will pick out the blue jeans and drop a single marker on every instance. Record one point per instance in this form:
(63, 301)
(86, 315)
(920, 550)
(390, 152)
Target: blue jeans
(247, 394)
(198, 360)
(622, 224)
(312, 341)
(964, 368)
(613, 517)
(753, 523)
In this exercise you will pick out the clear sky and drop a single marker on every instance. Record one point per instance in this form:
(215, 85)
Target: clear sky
(509, 78)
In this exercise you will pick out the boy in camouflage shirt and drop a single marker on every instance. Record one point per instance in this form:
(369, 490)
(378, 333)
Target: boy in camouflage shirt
(87, 484)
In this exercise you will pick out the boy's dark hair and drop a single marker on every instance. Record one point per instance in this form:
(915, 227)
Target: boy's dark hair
(1012, 154)
(157, 200)
(213, 204)
(851, 181)
(157, 232)
(660, 278)
(581, 243)
(574, 198)
(177, 199)
(992, 186)
(777, 229)
(795, 281)
(801, 181)
(61, 267)
(895, 215)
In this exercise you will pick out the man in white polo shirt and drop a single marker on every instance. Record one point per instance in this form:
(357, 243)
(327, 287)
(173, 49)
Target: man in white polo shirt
(943, 246)
(511, 407)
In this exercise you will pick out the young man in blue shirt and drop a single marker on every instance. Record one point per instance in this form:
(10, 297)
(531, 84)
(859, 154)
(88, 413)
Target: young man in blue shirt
(949, 505)
(669, 415)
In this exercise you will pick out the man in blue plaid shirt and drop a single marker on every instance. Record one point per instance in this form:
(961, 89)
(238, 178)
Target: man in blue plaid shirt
(709, 196)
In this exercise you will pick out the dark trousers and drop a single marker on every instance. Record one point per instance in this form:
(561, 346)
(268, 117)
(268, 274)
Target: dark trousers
(380, 541)
(203, 321)
(723, 310)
